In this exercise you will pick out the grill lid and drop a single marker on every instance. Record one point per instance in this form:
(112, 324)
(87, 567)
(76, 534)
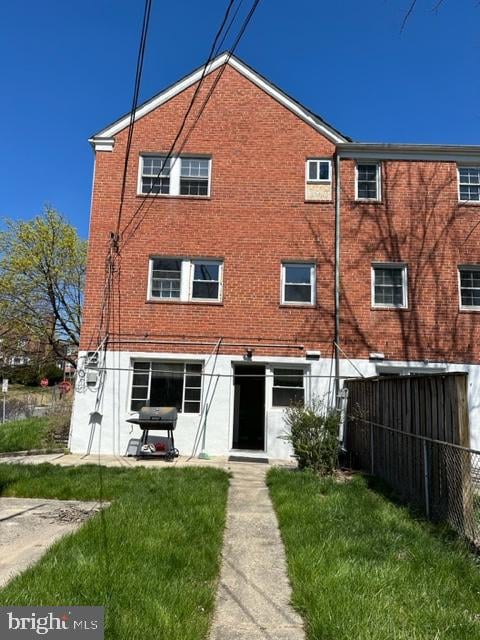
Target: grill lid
(157, 414)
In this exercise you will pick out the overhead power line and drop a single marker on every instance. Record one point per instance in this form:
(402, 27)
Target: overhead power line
(229, 53)
(136, 93)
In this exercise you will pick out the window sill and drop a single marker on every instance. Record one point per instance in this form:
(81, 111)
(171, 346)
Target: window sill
(375, 308)
(315, 201)
(214, 303)
(367, 201)
(292, 305)
(469, 310)
(169, 196)
(469, 203)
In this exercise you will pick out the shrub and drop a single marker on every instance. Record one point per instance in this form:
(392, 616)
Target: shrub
(313, 434)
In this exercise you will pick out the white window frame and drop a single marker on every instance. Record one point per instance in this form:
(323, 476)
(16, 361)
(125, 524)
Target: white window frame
(466, 267)
(186, 279)
(175, 170)
(293, 367)
(309, 180)
(466, 166)
(166, 362)
(379, 180)
(390, 265)
(313, 282)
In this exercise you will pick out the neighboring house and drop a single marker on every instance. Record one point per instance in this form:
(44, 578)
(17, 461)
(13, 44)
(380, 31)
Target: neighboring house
(229, 267)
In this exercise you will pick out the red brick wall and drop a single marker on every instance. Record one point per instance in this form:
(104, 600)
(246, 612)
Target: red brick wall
(256, 217)
(419, 221)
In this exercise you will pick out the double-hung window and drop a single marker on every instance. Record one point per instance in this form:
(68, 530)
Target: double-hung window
(469, 184)
(174, 176)
(167, 384)
(469, 277)
(194, 175)
(288, 387)
(298, 283)
(389, 285)
(155, 175)
(367, 181)
(186, 280)
(166, 278)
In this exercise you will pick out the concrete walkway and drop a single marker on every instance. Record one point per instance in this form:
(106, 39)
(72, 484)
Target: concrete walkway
(29, 526)
(253, 599)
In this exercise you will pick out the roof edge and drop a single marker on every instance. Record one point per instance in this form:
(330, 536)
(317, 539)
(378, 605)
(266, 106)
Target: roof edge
(99, 139)
(408, 151)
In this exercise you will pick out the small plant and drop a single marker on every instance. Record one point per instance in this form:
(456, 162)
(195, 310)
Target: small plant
(313, 434)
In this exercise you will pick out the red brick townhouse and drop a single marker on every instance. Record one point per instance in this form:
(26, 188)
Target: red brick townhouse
(224, 290)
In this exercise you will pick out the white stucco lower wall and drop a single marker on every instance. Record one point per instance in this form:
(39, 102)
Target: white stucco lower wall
(100, 412)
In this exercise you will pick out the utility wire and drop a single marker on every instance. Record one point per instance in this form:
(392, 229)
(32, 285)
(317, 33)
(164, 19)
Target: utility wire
(166, 159)
(230, 52)
(136, 93)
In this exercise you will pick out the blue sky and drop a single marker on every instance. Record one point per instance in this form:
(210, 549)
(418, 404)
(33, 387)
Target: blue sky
(67, 70)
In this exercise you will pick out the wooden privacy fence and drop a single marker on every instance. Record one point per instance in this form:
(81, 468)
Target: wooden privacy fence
(413, 432)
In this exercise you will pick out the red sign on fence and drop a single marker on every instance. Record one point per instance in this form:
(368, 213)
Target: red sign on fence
(44, 382)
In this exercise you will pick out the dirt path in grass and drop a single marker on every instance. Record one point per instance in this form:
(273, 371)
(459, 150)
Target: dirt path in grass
(253, 599)
(29, 526)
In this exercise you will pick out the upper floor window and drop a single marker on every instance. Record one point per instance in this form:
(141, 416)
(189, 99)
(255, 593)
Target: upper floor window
(167, 384)
(318, 180)
(318, 170)
(185, 176)
(298, 283)
(389, 285)
(469, 287)
(367, 181)
(185, 279)
(194, 176)
(469, 184)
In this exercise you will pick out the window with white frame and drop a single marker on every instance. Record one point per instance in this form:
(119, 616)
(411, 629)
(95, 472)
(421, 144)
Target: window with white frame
(185, 175)
(469, 278)
(155, 178)
(367, 181)
(288, 387)
(167, 384)
(318, 170)
(185, 279)
(389, 285)
(469, 184)
(194, 175)
(298, 283)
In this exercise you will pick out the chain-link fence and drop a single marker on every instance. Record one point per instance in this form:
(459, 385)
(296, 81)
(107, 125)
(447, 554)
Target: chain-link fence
(20, 404)
(441, 479)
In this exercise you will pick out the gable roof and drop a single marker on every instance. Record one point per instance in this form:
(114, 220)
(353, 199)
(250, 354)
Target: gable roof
(104, 139)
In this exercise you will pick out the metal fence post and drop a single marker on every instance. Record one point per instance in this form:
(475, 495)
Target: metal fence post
(425, 479)
(372, 456)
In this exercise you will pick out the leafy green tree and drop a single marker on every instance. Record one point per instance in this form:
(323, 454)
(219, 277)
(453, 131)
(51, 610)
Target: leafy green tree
(42, 274)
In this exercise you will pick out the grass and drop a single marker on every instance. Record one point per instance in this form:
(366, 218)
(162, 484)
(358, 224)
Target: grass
(363, 567)
(28, 434)
(152, 558)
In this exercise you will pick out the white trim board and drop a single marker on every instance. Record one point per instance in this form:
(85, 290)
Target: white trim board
(103, 140)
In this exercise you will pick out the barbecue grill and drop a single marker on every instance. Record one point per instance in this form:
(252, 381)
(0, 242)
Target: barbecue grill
(157, 419)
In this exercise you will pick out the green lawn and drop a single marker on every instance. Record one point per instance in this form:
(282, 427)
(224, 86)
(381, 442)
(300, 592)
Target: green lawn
(363, 568)
(26, 435)
(152, 558)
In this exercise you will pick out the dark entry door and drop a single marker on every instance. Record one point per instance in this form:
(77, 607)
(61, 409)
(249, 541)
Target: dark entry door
(249, 407)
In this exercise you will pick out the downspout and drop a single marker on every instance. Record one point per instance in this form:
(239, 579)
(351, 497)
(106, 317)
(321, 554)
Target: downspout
(337, 277)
